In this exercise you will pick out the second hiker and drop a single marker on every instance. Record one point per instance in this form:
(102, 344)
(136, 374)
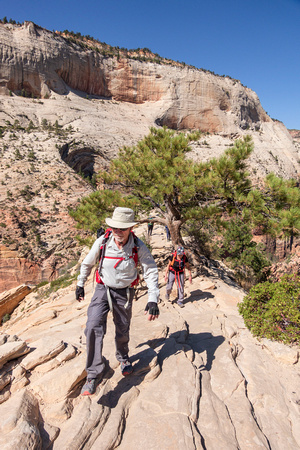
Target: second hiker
(119, 251)
(175, 272)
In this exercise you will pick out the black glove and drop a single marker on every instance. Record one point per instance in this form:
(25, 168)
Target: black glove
(79, 292)
(152, 308)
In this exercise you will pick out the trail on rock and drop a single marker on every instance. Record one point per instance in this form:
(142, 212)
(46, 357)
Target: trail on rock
(200, 380)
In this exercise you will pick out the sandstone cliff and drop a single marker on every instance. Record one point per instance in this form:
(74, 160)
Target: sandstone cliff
(37, 61)
(81, 106)
(200, 380)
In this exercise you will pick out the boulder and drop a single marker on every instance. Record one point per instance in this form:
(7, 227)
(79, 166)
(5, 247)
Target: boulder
(12, 350)
(58, 383)
(42, 350)
(19, 427)
(9, 300)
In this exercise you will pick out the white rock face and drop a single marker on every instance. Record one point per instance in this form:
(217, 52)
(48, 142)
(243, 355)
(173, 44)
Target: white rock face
(200, 379)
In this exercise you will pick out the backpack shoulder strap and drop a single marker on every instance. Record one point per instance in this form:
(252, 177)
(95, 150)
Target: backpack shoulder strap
(174, 257)
(135, 239)
(103, 247)
(135, 248)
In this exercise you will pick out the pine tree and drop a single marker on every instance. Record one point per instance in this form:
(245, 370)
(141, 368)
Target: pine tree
(157, 175)
(284, 195)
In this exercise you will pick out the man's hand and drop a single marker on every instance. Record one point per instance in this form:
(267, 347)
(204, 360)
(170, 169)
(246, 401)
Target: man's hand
(153, 310)
(79, 293)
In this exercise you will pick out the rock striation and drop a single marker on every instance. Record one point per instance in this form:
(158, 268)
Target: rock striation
(9, 300)
(38, 62)
(200, 380)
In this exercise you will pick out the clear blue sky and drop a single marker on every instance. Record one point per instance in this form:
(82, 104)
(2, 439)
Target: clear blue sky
(256, 42)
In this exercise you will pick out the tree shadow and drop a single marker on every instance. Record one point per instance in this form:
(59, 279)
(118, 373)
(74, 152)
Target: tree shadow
(205, 342)
(141, 364)
(199, 342)
(197, 295)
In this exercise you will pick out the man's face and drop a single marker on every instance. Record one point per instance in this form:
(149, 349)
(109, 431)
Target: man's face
(121, 235)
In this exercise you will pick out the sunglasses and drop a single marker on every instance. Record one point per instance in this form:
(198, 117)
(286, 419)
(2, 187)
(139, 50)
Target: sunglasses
(119, 229)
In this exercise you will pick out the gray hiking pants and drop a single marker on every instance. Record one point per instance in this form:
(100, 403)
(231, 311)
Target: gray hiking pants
(177, 277)
(96, 327)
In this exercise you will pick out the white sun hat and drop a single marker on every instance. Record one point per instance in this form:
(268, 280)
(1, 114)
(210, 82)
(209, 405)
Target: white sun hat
(121, 218)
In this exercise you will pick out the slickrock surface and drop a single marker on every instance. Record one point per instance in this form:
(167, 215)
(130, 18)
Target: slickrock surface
(200, 380)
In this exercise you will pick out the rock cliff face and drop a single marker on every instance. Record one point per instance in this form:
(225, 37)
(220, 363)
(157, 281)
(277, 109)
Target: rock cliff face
(37, 61)
(91, 105)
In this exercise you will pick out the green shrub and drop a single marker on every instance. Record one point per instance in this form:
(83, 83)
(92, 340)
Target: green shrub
(201, 238)
(61, 282)
(41, 284)
(5, 318)
(245, 256)
(272, 310)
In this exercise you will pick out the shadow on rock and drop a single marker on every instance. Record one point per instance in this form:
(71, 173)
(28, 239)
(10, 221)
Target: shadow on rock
(198, 295)
(148, 358)
(142, 363)
(205, 342)
(199, 343)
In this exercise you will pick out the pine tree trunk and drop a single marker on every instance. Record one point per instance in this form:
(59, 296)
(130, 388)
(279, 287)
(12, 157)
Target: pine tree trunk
(173, 221)
(174, 227)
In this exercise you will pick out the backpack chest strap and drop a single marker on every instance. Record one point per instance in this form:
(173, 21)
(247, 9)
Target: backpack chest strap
(119, 258)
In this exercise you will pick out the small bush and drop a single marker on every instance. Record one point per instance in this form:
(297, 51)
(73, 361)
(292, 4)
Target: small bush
(41, 284)
(62, 282)
(272, 310)
(5, 318)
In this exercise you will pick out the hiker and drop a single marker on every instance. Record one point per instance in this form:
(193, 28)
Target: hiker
(176, 272)
(167, 233)
(150, 228)
(119, 251)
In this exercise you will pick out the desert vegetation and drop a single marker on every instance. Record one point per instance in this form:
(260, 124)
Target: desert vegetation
(272, 310)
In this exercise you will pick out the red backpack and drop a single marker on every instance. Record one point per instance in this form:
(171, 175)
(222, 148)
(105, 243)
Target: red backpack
(102, 256)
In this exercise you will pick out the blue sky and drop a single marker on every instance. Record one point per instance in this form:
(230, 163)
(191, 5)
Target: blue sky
(256, 42)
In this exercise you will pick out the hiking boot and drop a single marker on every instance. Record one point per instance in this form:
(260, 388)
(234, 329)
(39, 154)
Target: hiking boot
(180, 304)
(89, 388)
(126, 368)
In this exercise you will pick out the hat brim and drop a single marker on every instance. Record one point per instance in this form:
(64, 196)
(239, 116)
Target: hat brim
(116, 224)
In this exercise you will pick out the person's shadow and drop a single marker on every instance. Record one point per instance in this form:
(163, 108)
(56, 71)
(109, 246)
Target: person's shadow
(143, 360)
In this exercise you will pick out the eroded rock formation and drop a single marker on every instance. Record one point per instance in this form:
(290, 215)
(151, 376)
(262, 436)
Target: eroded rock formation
(9, 300)
(38, 62)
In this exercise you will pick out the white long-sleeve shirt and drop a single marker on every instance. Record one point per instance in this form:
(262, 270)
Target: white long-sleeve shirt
(126, 272)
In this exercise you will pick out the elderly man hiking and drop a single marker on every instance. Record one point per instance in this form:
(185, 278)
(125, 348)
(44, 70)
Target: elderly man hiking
(118, 252)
